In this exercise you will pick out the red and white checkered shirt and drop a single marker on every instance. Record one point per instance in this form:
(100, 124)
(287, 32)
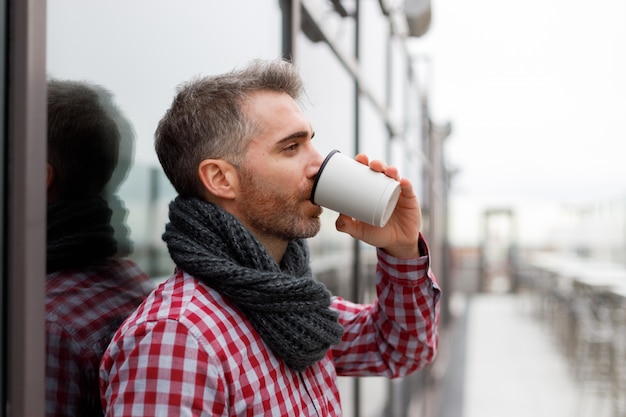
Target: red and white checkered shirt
(84, 308)
(187, 351)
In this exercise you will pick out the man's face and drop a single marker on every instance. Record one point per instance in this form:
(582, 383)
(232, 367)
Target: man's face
(279, 171)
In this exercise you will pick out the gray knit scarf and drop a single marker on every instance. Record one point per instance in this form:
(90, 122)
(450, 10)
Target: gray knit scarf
(288, 309)
(79, 233)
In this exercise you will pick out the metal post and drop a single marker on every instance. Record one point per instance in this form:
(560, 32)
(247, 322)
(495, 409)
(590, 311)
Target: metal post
(26, 207)
(356, 261)
(392, 405)
(291, 28)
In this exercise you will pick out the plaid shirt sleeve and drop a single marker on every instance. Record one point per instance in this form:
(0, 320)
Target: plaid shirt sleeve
(160, 369)
(397, 334)
(62, 399)
(83, 310)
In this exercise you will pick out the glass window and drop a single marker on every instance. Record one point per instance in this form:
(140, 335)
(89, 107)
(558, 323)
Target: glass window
(140, 51)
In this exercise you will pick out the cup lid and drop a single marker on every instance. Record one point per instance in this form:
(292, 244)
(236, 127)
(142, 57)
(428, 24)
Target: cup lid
(317, 177)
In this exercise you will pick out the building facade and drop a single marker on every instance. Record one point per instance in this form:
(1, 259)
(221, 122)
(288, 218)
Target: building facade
(365, 94)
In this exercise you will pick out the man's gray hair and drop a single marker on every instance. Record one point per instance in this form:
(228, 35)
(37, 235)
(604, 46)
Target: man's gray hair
(207, 119)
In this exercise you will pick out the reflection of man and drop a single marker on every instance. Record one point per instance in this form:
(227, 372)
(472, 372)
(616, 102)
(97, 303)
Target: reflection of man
(241, 328)
(89, 291)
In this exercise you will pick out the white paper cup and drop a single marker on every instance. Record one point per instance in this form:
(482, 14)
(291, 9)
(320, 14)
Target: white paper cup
(349, 187)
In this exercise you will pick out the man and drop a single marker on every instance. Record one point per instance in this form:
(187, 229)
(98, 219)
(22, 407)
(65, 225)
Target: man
(89, 290)
(241, 328)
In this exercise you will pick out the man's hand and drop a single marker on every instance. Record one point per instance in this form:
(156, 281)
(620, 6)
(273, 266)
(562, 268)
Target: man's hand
(399, 236)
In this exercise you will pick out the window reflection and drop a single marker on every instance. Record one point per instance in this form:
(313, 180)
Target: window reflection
(91, 287)
(141, 50)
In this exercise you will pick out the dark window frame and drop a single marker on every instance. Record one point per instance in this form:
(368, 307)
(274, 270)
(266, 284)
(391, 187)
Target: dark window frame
(24, 208)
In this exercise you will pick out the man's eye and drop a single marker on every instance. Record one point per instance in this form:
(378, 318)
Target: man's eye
(291, 147)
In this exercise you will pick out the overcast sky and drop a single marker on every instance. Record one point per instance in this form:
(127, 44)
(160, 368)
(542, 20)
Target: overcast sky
(536, 93)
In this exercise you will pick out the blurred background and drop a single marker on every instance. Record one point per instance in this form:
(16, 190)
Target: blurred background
(509, 119)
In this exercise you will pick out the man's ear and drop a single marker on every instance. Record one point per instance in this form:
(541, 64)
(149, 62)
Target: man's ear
(219, 178)
(49, 176)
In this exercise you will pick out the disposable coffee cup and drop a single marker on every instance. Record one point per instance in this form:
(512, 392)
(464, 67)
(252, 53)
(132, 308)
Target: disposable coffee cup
(349, 187)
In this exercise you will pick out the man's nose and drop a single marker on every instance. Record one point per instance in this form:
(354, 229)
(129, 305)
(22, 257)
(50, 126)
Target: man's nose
(316, 163)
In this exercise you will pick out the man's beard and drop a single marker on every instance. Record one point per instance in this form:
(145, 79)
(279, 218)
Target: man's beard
(277, 214)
